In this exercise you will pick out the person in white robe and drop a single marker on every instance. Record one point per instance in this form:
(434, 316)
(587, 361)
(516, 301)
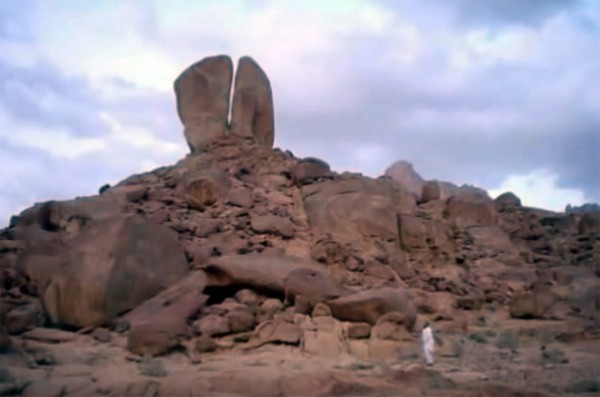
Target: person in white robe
(428, 343)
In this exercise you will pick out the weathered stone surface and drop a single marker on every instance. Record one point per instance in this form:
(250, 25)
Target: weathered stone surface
(470, 209)
(393, 326)
(202, 91)
(113, 265)
(323, 337)
(358, 330)
(276, 331)
(23, 318)
(205, 344)
(212, 325)
(534, 304)
(314, 285)
(404, 173)
(413, 234)
(273, 224)
(309, 170)
(589, 224)
(436, 190)
(204, 189)
(259, 271)
(268, 309)
(240, 319)
(247, 297)
(129, 193)
(354, 209)
(240, 197)
(158, 324)
(328, 251)
(321, 310)
(252, 112)
(369, 305)
(507, 201)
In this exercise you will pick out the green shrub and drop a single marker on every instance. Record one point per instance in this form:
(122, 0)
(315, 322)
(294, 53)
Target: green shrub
(478, 338)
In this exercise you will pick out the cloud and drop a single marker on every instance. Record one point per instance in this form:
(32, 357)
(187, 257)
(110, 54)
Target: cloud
(540, 189)
(501, 12)
(471, 92)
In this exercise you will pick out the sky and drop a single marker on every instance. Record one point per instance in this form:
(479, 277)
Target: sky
(500, 94)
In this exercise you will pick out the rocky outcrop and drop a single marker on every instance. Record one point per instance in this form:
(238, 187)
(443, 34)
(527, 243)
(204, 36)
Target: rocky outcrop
(257, 271)
(111, 266)
(160, 323)
(238, 246)
(252, 106)
(369, 305)
(354, 209)
(404, 173)
(202, 92)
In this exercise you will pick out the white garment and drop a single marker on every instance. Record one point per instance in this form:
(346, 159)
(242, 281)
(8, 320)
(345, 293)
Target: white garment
(428, 344)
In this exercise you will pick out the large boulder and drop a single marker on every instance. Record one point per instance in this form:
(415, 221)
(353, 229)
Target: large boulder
(111, 266)
(368, 305)
(404, 173)
(272, 224)
(254, 270)
(589, 224)
(309, 170)
(43, 229)
(252, 106)
(314, 285)
(353, 209)
(466, 210)
(437, 190)
(507, 201)
(202, 92)
(532, 304)
(201, 189)
(158, 324)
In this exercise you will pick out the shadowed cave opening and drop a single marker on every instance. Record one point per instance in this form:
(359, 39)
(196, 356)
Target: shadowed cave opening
(218, 295)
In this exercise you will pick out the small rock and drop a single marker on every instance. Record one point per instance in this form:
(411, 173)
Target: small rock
(240, 197)
(240, 319)
(267, 310)
(101, 335)
(212, 325)
(247, 297)
(273, 224)
(205, 344)
(321, 310)
(358, 330)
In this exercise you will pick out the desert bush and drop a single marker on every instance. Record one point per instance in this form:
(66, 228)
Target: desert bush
(6, 376)
(151, 367)
(508, 340)
(584, 386)
(490, 333)
(478, 338)
(554, 356)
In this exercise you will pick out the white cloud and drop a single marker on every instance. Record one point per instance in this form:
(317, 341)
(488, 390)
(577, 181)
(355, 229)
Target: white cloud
(55, 141)
(539, 189)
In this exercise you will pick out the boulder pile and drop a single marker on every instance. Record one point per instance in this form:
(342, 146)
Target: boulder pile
(239, 245)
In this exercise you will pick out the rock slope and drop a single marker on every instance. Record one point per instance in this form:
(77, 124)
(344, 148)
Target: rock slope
(244, 262)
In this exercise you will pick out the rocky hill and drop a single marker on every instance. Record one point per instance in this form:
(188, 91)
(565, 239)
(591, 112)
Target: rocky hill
(245, 271)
